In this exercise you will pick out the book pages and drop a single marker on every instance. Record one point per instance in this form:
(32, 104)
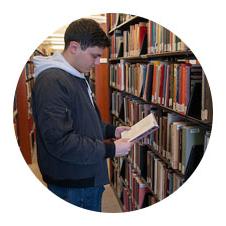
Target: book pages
(146, 124)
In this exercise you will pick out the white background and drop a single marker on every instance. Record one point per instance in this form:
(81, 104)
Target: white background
(24, 25)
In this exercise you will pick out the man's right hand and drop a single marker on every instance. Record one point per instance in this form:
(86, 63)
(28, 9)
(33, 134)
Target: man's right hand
(122, 147)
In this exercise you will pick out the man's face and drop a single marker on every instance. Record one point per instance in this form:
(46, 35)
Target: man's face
(88, 58)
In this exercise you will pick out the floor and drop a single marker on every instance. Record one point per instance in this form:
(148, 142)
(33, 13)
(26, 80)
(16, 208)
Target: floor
(109, 201)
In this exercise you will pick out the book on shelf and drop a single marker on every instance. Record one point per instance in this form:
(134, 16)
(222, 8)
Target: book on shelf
(176, 128)
(191, 135)
(137, 37)
(147, 124)
(150, 169)
(138, 156)
(162, 135)
(194, 106)
(147, 90)
(170, 119)
(117, 44)
(149, 199)
(196, 155)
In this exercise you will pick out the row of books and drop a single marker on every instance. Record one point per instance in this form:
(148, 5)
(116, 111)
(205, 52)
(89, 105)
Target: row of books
(148, 169)
(161, 172)
(161, 39)
(130, 187)
(128, 200)
(159, 181)
(129, 109)
(155, 170)
(144, 38)
(172, 85)
(115, 19)
(175, 138)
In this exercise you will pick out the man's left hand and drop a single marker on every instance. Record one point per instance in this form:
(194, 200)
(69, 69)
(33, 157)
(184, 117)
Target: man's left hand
(119, 130)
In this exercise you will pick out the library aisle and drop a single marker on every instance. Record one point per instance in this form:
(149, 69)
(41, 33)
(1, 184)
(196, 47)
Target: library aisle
(110, 203)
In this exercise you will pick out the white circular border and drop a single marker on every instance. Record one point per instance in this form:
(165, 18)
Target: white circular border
(25, 25)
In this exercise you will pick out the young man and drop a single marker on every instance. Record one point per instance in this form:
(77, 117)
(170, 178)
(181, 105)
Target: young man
(71, 138)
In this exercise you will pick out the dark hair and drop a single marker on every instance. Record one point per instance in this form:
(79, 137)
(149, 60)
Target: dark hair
(87, 33)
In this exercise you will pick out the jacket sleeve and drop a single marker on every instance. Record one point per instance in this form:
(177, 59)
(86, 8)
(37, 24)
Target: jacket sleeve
(108, 130)
(52, 113)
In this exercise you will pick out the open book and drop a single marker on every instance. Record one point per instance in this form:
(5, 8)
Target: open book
(147, 124)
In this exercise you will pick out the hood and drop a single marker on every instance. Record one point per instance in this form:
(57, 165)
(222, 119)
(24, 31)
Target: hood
(57, 60)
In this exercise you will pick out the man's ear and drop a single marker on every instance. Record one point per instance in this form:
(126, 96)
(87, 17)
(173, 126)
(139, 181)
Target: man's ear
(74, 47)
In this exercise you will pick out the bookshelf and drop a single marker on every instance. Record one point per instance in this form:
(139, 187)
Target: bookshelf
(22, 114)
(152, 70)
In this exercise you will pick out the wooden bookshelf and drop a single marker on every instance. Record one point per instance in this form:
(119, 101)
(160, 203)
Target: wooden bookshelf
(23, 120)
(102, 91)
(23, 123)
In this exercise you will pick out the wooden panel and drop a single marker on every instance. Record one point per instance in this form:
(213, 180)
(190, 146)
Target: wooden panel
(22, 118)
(102, 91)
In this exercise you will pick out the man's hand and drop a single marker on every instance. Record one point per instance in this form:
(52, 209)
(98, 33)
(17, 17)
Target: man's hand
(119, 130)
(122, 147)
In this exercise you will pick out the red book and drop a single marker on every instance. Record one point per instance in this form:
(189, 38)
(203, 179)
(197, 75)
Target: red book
(142, 34)
(162, 71)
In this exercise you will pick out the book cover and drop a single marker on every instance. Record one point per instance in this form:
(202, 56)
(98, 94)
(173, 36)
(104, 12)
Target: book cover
(191, 135)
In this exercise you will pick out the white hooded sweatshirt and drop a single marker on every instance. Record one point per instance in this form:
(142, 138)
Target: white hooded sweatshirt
(57, 60)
